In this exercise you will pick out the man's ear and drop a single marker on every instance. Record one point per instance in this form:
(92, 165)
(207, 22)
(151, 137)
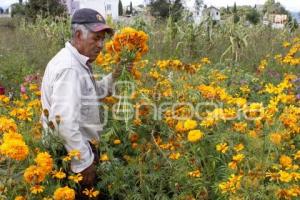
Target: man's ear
(78, 35)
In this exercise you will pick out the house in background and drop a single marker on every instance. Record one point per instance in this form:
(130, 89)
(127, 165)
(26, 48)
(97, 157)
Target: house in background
(108, 8)
(277, 21)
(212, 12)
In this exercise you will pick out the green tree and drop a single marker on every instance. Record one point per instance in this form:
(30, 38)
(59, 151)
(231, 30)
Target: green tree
(44, 8)
(236, 17)
(198, 4)
(176, 10)
(160, 8)
(130, 8)
(120, 8)
(253, 16)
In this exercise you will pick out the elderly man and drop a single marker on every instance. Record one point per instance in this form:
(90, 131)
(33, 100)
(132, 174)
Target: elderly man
(69, 90)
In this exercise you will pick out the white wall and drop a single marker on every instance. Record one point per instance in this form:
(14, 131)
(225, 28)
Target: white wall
(104, 7)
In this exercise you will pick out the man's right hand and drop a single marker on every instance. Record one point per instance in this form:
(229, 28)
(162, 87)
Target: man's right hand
(89, 176)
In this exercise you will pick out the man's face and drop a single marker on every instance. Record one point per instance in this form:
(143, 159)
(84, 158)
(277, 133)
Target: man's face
(92, 45)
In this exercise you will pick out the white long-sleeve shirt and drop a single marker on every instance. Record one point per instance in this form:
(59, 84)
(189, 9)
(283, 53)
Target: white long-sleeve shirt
(69, 91)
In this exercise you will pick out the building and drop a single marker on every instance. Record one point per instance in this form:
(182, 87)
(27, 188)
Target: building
(108, 8)
(277, 21)
(212, 12)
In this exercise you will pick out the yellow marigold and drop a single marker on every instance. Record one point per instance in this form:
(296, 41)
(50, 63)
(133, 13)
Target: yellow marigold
(76, 178)
(195, 135)
(117, 141)
(37, 189)
(222, 147)
(34, 174)
(195, 173)
(7, 124)
(44, 161)
(285, 161)
(240, 126)
(15, 149)
(297, 155)
(180, 127)
(74, 154)
(275, 138)
(12, 136)
(58, 174)
(238, 157)
(239, 147)
(104, 157)
(64, 193)
(284, 176)
(190, 124)
(20, 198)
(174, 156)
(91, 193)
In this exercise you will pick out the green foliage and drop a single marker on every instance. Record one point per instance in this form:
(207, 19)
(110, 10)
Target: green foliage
(120, 8)
(160, 8)
(176, 10)
(253, 16)
(44, 8)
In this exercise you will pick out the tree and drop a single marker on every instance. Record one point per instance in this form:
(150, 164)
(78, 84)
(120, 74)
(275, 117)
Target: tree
(176, 10)
(198, 5)
(160, 8)
(1, 10)
(44, 8)
(236, 18)
(253, 16)
(20, 1)
(120, 8)
(130, 8)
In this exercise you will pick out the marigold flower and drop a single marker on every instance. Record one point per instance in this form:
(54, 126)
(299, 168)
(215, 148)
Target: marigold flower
(275, 138)
(222, 147)
(104, 157)
(15, 149)
(195, 173)
(91, 193)
(285, 161)
(195, 135)
(44, 161)
(190, 124)
(20, 198)
(64, 193)
(37, 189)
(76, 178)
(7, 124)
(34, 174)
(174, 156)
(58, 174)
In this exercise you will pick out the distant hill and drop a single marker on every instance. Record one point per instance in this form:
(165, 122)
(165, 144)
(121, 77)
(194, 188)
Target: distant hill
(296, 15)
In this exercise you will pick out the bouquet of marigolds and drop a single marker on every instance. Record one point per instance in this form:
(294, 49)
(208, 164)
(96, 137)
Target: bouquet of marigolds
(127, 48)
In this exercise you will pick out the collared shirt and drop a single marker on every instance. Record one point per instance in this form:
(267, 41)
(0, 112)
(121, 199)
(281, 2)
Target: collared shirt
(70, 91)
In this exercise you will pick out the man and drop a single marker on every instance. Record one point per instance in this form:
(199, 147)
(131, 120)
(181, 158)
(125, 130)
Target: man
(70, 91)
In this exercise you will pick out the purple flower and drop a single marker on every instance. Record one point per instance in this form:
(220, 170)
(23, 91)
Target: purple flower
(298, 96)
(2, 90)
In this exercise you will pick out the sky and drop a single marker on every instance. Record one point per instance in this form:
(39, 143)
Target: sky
(292, 5)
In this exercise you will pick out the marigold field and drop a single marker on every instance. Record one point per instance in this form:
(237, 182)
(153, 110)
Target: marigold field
(214, 117)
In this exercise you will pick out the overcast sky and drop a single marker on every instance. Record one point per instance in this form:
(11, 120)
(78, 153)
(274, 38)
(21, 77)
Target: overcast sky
(293, 5)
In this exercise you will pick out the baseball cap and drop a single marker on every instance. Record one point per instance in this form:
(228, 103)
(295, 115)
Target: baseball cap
(92, 19)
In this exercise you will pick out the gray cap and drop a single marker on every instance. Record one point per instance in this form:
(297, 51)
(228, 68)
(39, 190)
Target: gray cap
(92, 19)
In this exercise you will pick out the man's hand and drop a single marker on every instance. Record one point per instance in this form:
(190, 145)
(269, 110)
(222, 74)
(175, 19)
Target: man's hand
(118, 71)
(89, 176)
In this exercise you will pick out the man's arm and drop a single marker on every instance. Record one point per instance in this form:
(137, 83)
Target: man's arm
(66, 103)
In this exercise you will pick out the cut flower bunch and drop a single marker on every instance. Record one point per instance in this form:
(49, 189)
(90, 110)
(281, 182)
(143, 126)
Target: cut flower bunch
(127, 48)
